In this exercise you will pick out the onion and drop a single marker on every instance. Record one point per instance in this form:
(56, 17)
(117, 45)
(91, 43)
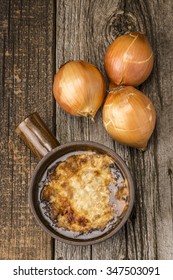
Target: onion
(79, 88)
(129, 116)
(129, 59)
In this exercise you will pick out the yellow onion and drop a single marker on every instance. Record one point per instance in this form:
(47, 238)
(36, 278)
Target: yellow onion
(129, 116)
(129, 59)
(112, 86)
(79, 88)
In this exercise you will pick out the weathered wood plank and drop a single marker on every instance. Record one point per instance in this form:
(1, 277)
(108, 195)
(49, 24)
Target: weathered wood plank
(26, 80)
(77, 38)
(160, 193)
(84, 30)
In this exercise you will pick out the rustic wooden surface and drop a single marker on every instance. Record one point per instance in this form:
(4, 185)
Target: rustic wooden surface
(36, 38)
(26, 63)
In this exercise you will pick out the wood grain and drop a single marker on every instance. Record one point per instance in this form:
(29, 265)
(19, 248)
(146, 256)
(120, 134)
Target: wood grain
(84, 29)
(30, 33)
(26, 80)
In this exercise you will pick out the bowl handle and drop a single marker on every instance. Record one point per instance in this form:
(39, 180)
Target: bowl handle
(36, 135)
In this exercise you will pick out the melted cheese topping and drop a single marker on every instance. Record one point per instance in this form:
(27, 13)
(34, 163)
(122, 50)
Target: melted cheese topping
(79, 194)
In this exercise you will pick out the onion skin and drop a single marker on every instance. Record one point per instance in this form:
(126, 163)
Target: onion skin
(79, 88)
(129, 116)
(129, 59)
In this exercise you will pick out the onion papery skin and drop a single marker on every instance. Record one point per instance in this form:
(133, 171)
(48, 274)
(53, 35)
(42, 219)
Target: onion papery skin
(129, 59)
(129, 117)
(79, 88)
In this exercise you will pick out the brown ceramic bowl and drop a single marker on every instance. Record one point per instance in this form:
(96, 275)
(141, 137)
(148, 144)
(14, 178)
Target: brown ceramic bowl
(29, 130)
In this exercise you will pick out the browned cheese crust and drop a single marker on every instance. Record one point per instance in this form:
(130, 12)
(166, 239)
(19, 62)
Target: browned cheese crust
(78, 192)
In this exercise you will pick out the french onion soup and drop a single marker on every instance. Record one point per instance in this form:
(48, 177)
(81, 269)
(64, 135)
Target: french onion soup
(84, 192)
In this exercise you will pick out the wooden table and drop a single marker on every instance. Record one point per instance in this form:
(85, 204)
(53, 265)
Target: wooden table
(36, 38)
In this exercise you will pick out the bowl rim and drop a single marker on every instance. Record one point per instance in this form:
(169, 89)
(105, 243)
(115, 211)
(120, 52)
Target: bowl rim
(121, 165)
